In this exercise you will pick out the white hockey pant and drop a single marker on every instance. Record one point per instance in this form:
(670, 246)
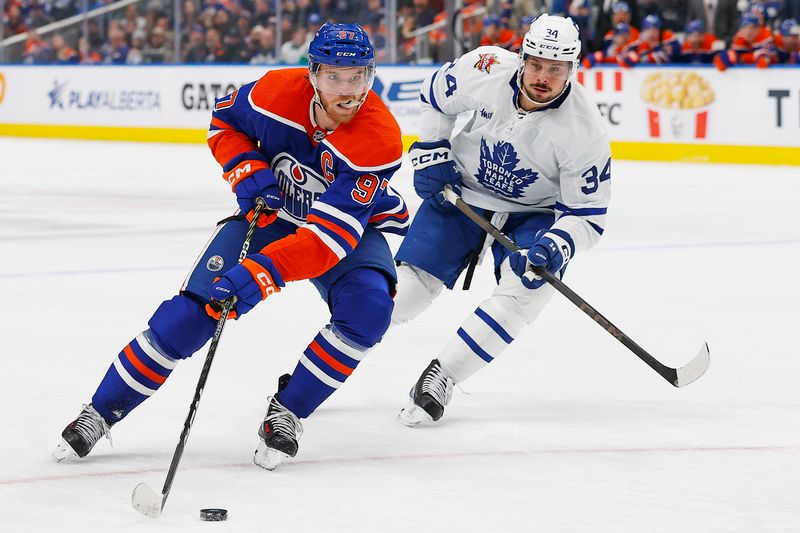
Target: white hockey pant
(486, 332)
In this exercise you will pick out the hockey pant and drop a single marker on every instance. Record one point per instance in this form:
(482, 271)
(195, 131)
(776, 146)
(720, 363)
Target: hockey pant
(361, 307)
(487, 331)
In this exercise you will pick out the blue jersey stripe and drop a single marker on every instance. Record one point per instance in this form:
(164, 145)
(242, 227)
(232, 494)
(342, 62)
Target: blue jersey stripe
(597, 228)
(480, 352)
(492, 323)
(581, 211)
(432, 95)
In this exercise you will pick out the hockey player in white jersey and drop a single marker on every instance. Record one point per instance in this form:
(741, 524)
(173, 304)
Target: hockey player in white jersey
(534, 157)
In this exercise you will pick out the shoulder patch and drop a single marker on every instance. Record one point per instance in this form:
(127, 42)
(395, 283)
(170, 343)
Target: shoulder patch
(485, 62)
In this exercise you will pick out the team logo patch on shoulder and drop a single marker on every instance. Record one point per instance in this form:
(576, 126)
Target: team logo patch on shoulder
(485, 62)
(215, 263)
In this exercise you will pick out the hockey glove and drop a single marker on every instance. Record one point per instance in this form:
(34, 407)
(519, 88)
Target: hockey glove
(247, 283)
(434, 168)
(251, 178)
(544, 253)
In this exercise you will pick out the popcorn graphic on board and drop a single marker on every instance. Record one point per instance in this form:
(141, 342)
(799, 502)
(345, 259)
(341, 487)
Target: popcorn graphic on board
(677, 105)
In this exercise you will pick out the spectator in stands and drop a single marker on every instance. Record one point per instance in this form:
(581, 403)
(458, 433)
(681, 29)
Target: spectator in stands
(61, 9)
(615, 48)
(37, 17)
(115, 51)
(656, 44)
(787, 42)
(134, 19)
(524, 26)
(156, 48)
(580, 11)
(313, 24)
(610, 13)
(265, 51)
(216, 51)
(423, 13)
(495, 35)
(295, 51)
(37, 51)
(262, 13)
(698, 45)
(14, 22)
(371, 16)
(135, 51)
(196, 51)
(237, 49)
(222, 20)
(87, 55)
(719, 17)
(301, 9)
(752, 44)
(525, 8)
(63, 54)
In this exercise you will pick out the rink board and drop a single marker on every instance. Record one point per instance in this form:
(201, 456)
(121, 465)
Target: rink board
(664, 114)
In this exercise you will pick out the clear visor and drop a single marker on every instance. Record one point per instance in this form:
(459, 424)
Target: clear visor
(342, 81)
(547, 68)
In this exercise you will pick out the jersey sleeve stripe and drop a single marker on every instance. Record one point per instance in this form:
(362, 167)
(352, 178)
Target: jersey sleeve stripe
(433, 95)
(383, 216)
(597, 228)
(581, 211)
(327, 240)
(339, 215)
(217, 124)
(333, 228)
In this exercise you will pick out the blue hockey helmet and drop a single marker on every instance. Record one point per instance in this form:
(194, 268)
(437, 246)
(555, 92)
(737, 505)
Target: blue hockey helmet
(651, 21)
(749, 19)
(526, 20)
(621, 6)
(344, 47)
(694, 26)
(492, 20)
(789, 27)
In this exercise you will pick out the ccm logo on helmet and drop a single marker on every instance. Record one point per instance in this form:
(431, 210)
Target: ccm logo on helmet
(346, 54)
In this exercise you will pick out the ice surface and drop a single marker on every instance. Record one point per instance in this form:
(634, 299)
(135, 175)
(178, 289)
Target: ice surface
(567, 431)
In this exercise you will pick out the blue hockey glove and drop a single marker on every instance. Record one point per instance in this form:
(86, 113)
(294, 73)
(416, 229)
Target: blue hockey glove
(434, 168)
(248, 283)
(251, 178)
(544, 253)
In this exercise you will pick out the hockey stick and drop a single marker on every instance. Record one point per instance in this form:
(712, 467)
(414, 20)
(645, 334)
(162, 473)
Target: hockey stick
(144, 499)
(678, 377)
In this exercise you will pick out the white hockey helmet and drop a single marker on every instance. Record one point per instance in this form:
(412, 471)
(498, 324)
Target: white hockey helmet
(552, 37)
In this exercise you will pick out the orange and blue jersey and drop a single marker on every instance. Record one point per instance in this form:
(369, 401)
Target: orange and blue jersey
(335, 183)
(751, 51)
(785, 56)
(698, 54)
(666, 50)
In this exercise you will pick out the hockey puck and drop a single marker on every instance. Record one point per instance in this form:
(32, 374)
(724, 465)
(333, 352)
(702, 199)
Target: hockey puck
(213, 515)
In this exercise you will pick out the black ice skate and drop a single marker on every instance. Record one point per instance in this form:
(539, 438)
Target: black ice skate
(80, 435)
(279, 432)
(429, 396)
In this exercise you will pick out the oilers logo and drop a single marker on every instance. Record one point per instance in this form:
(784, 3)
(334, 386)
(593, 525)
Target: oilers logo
(301, 187)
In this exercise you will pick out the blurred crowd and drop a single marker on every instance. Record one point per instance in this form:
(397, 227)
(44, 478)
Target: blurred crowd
(622, 32)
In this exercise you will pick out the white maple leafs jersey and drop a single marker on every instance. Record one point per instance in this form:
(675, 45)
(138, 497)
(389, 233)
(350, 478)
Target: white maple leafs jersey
(555, 159)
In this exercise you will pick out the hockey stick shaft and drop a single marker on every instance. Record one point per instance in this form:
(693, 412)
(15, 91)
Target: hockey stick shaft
(677, 377)
(212, 350)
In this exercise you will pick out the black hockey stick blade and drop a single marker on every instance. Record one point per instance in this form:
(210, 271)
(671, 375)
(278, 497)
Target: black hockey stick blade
(678, 377)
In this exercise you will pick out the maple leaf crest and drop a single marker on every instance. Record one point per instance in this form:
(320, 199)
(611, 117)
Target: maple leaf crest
(498, 172)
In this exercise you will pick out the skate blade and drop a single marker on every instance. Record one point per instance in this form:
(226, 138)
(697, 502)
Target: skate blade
(412, 415)
(268, 458)
(146, 501)
(64, 452)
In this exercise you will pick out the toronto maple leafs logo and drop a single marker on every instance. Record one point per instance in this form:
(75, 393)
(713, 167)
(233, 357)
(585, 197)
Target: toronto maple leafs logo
(498, 172)
(485, 62)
